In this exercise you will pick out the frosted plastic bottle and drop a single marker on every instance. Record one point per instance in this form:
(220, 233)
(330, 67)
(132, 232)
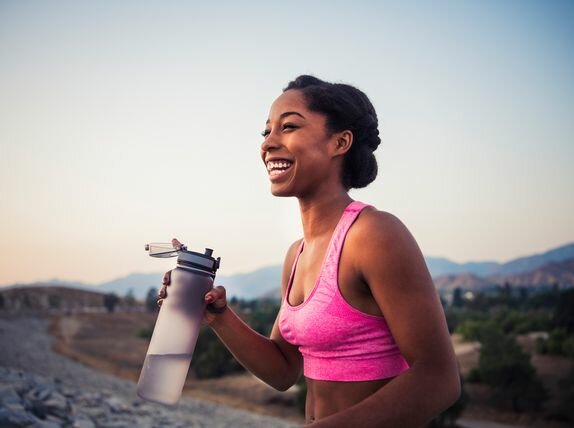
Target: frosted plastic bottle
(177, 326)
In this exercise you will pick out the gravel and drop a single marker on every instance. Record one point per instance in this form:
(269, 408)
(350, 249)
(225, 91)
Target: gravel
(39, 388)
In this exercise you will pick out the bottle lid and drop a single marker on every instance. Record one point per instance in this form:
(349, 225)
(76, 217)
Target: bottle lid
(162, 249)
(197, 261)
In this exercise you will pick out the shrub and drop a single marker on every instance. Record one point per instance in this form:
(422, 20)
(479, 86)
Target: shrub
(505, 367)
(470, 330)
(566, 385)
(110, 301)
(559, 342)
(211, 358)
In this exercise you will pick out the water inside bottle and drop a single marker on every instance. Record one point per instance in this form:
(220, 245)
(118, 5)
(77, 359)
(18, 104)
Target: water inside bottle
(163, 376)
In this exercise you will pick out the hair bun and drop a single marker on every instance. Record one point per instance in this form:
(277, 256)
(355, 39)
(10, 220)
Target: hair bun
(367, 128)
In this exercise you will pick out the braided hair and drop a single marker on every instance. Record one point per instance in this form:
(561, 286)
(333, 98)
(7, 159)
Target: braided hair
(346, 108)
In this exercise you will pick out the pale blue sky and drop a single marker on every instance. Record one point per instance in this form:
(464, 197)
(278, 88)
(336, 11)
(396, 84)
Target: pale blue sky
(124, 122)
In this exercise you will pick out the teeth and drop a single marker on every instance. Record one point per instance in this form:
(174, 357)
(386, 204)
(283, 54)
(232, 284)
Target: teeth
(277, 165)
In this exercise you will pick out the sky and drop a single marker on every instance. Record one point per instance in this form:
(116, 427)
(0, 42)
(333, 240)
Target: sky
(127, 122)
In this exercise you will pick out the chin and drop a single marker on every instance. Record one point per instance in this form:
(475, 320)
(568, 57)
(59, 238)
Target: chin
(282, 193)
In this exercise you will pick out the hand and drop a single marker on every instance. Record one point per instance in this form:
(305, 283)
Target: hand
(167, 276)
(176, 244)
(216, 304)
(163, 291)
(215, 299)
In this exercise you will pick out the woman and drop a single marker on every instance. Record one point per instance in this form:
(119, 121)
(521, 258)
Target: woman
(360, 317)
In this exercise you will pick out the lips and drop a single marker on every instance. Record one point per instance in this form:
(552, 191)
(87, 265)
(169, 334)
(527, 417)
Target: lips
(278, 167)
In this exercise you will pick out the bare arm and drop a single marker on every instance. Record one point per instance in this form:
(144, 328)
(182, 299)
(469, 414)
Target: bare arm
(272, 359)
(390, 262)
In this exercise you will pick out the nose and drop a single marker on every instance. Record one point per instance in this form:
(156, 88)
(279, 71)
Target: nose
(270, 143)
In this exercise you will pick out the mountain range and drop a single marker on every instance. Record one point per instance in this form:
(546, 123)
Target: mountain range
(555, 266)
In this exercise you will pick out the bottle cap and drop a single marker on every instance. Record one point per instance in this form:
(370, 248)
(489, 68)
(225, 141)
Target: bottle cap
(201, 262)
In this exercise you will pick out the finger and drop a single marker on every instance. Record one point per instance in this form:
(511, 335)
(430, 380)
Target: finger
(176, 244)
(159, 302)
(166, 278)
(220, 291)
(214, 294)
(162, 294)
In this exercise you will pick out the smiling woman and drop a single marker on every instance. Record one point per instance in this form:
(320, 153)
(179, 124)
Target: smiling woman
(359, 317)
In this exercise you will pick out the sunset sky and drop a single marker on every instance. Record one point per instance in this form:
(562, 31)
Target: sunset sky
(126, 122)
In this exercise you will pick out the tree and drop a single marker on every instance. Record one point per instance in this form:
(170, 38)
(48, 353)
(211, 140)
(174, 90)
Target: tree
(110, 301)
(566, 385)
(211, 358)
(151, 300)
(564, 313)
(129, 299)
(457, 298)
(505, 367)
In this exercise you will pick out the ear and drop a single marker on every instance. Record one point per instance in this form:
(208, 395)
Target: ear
(343, 142)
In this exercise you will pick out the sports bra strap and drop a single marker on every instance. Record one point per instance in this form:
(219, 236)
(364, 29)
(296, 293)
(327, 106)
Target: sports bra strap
(331, 266)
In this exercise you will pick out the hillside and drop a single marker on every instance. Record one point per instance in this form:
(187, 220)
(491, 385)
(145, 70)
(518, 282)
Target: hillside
(561, 273)
(50, 299)
(539, 270)
(466, 281)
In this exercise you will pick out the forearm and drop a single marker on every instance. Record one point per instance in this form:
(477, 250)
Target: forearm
(408, 401)
(257, 353)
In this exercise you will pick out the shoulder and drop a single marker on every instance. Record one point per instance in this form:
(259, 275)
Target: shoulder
(383, 247)
(378, 227)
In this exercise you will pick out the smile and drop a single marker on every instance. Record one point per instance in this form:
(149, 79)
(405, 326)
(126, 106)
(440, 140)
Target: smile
(278, 167)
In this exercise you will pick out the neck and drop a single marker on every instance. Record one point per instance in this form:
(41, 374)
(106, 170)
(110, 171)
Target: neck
(320, 215)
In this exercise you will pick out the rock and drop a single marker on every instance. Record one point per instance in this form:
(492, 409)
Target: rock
(41, 389)
(57, 405)
(8, 395)
(16, 417)
(49, 423)
(144, 422)
(116, 405)
(82, 421)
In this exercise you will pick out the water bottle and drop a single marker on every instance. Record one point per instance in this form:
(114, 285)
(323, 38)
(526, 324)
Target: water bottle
(178, 322)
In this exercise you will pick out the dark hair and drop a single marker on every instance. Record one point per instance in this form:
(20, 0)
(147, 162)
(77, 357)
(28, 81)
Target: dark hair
(346, 108)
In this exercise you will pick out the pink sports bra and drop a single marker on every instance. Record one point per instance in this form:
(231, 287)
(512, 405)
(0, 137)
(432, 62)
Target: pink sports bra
(337, 341)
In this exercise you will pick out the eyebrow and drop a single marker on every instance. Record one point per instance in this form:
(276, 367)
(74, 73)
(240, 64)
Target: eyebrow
(288, 113)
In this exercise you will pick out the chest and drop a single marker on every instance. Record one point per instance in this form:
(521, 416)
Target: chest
(307, 269)
(313, 261)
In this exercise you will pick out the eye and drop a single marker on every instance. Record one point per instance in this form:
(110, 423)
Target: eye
(289, 126)
(265, 133)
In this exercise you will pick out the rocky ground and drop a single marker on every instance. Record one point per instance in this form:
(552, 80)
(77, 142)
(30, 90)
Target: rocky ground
(39, 388)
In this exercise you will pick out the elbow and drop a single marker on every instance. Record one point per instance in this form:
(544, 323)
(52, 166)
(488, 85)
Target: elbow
(452, 390)
(282, 387)
(282, 384)
(455, 390)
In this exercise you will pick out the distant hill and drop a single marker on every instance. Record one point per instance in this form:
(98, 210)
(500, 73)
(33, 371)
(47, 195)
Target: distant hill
(442, 266)
(139, 283)
(48, 298)
(466, 281)
(438, 266)
(252, 284)
(561, 273)
(244, 285)
(538, 269)
(526, 264)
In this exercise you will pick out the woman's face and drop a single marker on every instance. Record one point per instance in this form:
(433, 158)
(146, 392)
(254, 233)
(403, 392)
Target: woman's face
(297, 149)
